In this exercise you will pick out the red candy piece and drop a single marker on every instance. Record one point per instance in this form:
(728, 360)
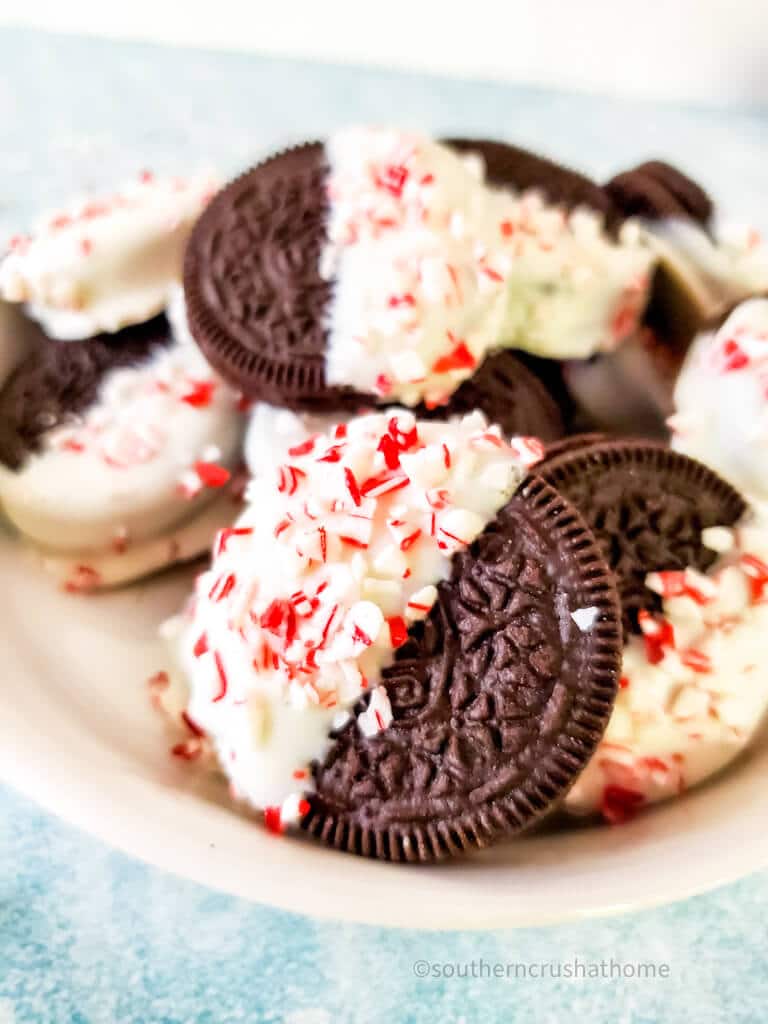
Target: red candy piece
(697, 660)
(459, 358)
(398, 631)
(223, 681)
(352, 486)
(392, 179)
(228, 532)
(675, 583)
(187, 750)
(273, 821)
(192, 725)
(302, 449)
(384, 483)
(401, 300)
(620, 805)
(212, 475)
(289, 478)
(757, 571)
(735, 357)
(200, 394)
(83, 579)
(657, 635)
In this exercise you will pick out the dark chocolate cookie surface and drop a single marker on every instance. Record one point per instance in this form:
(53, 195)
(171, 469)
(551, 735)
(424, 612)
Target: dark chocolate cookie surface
(256, 302)
(498, 698)
(628, 392)
(61, 379)
(655, 190)
(647, 507)
(510, 395)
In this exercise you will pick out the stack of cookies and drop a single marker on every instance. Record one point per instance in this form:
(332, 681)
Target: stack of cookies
(476, 572)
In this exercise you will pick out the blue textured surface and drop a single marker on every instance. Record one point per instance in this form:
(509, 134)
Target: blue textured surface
(88, 936)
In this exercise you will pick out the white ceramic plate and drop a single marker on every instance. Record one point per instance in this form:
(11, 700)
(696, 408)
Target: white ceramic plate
(77, 734)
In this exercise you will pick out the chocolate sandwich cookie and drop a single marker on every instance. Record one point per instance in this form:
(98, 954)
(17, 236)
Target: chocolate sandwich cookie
(398, 646)
(704, 265)
(498, 698)
(56, 381)
(263, 322)
(647, 506)
(629, 392)
(116, 452)
(656, 190)
(510, 395)
(381, 268)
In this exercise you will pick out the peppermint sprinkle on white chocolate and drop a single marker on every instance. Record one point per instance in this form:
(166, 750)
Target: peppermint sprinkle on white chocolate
(161, 435)
(106, 263)
(433, 269)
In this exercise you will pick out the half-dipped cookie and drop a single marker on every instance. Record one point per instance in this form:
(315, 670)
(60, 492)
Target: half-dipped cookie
(398, 648)
(116, 448)
(704, 266)
(693, 692)
(692, 569)
(116, 453)
(386, 267)
(493, 704)
(647, 506)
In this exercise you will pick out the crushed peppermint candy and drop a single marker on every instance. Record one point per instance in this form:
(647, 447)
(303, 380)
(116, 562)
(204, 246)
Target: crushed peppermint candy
(315, 587)
(138, 454)
(434, 269)
(377, 716)
(132, 422)
(585, 618)
(694, 685)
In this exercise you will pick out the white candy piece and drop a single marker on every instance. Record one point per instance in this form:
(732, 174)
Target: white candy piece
(377, 716)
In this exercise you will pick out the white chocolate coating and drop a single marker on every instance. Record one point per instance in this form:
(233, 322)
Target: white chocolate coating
(105, 263)
(433, 269)
(695, 687)
(721, 400)
(100, 570)
(717, 268)
(271, 431)
(338, 551)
